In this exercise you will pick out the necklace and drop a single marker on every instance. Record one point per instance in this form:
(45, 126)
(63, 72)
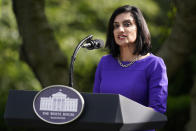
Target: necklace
(130, 63)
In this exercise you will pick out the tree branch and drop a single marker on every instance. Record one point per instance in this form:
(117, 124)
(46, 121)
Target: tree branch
(39, 48)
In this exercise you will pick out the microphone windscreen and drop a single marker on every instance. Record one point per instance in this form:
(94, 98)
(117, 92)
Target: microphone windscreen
(100, 43)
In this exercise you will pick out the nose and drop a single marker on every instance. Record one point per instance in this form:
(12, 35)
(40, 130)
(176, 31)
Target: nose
(121, 29)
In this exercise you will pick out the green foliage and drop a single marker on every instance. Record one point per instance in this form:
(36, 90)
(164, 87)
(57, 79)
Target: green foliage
(177, 113)
(14, 74)
(72, 20)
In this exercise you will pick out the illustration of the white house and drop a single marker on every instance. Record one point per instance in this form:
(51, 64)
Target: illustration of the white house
(58, 102)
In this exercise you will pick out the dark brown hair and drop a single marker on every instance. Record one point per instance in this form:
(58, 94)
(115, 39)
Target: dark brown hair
(143, 40)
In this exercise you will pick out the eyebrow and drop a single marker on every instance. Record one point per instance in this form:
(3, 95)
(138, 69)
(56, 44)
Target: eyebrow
(124, 21)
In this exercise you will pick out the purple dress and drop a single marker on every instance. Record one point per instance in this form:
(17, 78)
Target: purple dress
(145, 81)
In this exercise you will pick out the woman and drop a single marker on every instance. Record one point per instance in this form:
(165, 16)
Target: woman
(130, 69)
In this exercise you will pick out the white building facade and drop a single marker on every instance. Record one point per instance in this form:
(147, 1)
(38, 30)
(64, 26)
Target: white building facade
(58, 102)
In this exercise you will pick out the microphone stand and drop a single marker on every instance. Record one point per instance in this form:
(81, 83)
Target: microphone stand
(73, 58)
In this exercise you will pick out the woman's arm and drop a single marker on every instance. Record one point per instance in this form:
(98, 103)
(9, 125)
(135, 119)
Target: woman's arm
(158, 83)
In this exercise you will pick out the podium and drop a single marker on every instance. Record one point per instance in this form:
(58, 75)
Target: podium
(102, 112)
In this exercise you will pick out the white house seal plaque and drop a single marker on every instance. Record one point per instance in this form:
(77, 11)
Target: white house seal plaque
(58, 104)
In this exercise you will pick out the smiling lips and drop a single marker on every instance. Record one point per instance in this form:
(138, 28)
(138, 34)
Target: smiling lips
(121, 36)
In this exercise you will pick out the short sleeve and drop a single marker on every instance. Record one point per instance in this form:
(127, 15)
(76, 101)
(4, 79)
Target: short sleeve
(158, 84)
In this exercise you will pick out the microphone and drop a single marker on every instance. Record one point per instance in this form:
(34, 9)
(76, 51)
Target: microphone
(93, 44)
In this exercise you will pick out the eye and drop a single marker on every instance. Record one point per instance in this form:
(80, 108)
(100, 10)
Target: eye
(116, 25)
(127, 24)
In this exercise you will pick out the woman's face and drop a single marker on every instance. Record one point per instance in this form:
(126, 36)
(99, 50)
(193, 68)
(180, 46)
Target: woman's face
(125, 29)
